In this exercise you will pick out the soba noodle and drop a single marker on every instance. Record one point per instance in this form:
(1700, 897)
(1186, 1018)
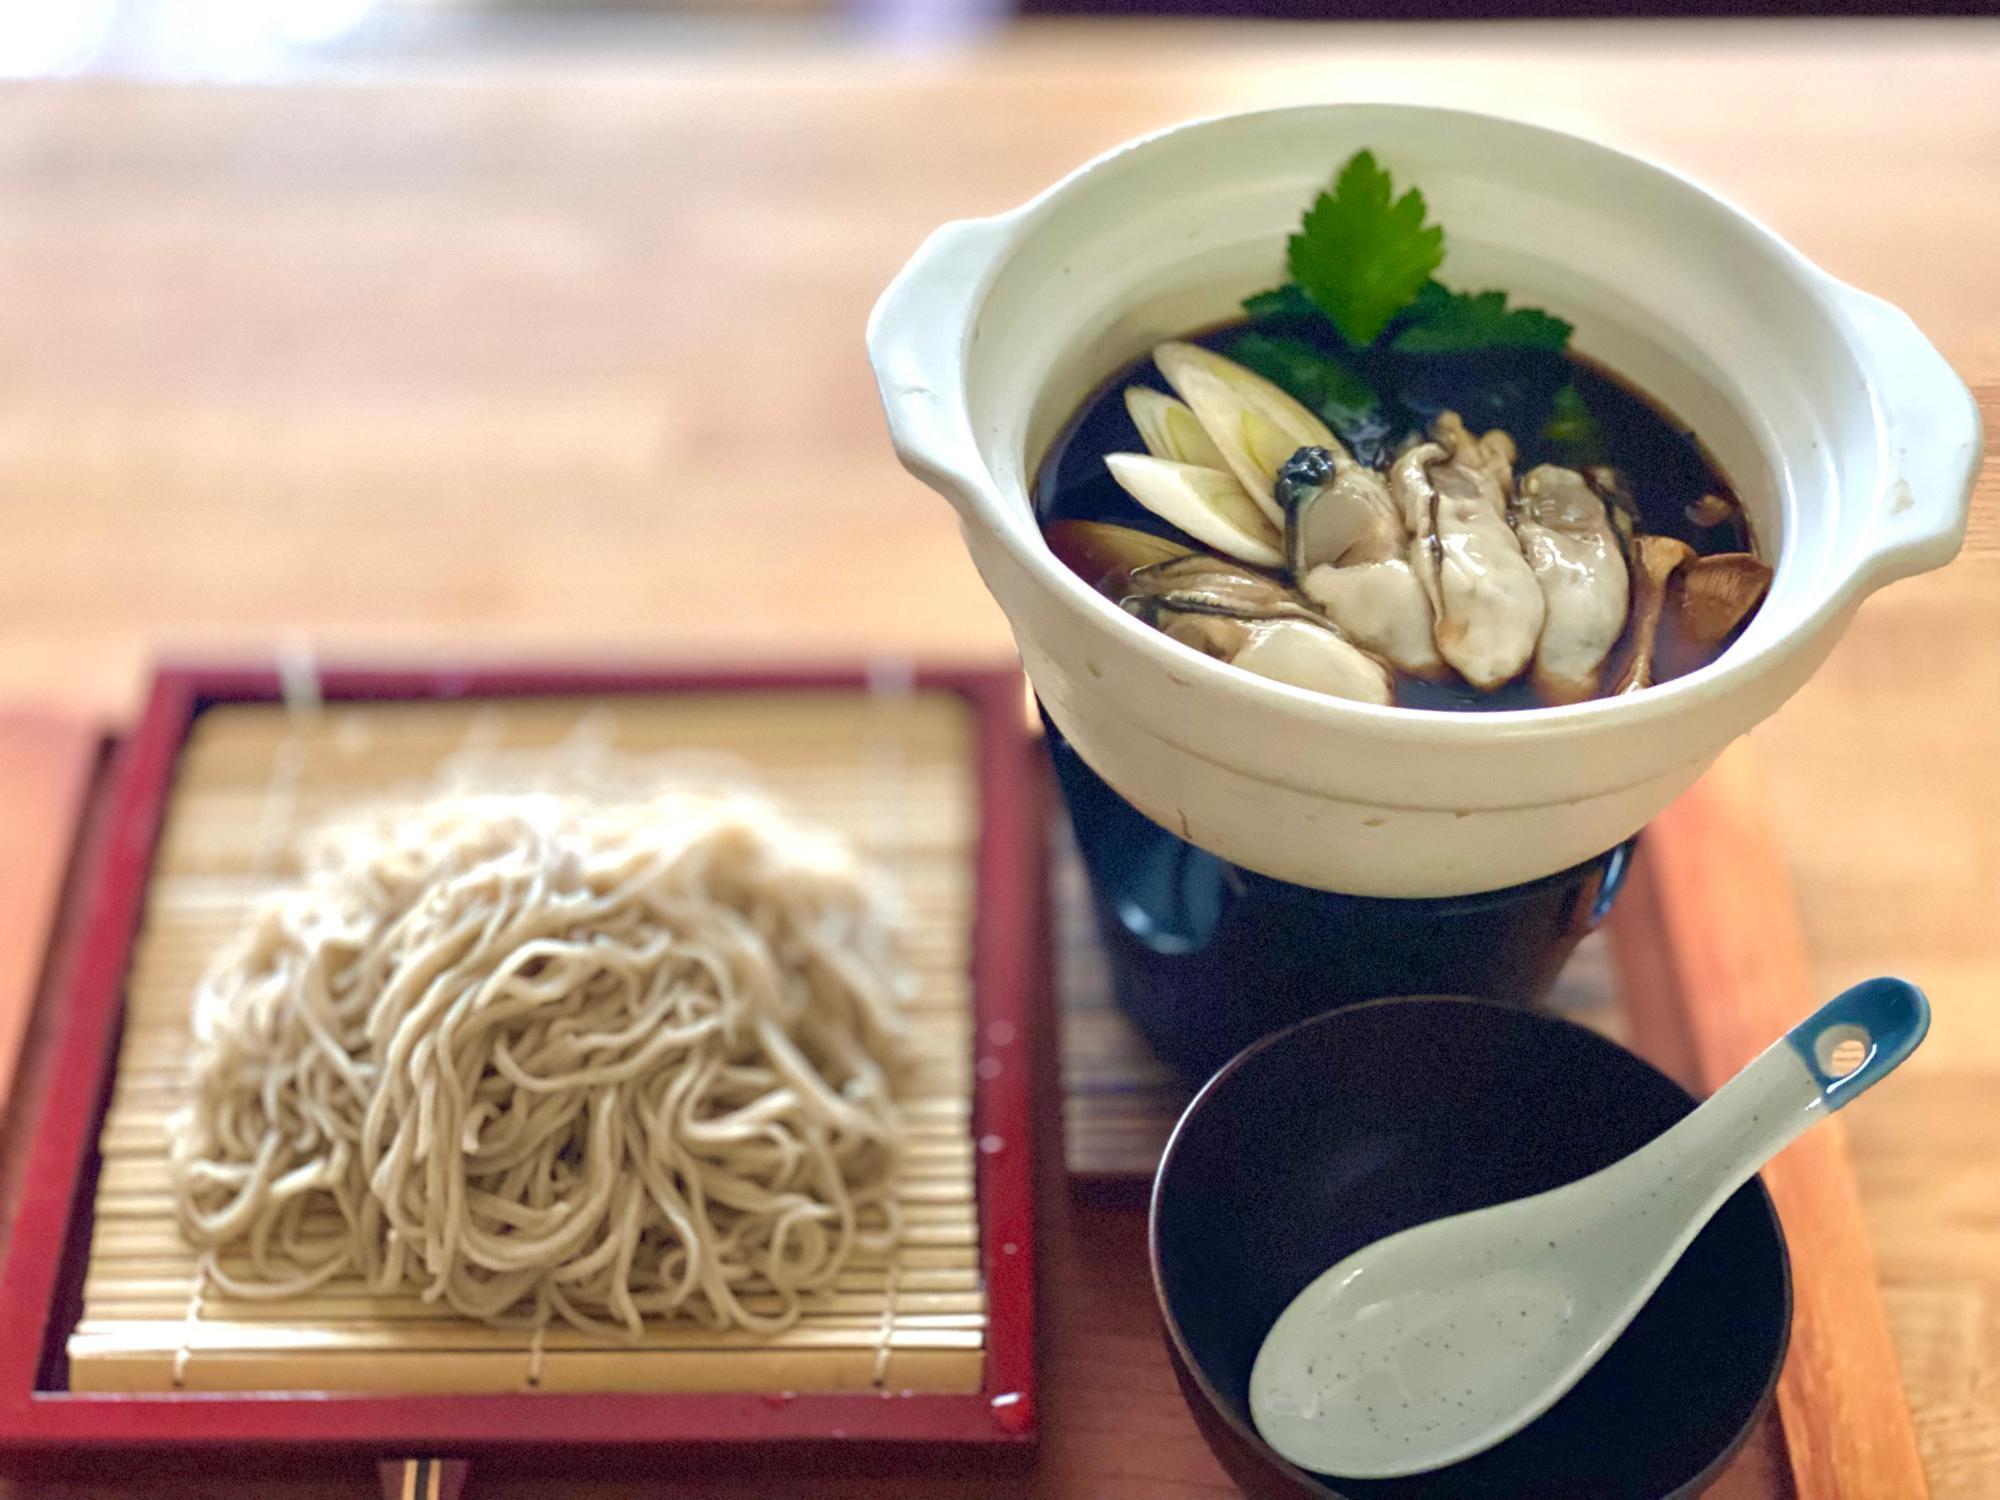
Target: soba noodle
(538, 1057)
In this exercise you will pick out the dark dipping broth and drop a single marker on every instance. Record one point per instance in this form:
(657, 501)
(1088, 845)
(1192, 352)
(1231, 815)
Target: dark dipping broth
(1663, 465)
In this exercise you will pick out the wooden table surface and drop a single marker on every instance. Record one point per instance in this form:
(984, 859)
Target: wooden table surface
(565, 360)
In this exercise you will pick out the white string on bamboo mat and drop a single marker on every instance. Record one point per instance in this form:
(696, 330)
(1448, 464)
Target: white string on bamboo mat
(887, 1334)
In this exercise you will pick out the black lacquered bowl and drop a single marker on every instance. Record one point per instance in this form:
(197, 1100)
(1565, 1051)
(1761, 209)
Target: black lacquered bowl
(1207, 957)
(1367, 1120)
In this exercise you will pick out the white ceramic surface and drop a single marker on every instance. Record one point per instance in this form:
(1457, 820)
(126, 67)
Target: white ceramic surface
(1437, 1343)
(1850, 441)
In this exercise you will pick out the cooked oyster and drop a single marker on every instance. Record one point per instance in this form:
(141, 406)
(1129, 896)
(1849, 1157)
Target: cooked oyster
(1382, 607)
(1619, 503)
(1336, 511)
(1567, 539)
(1655, 558)
(1492, 453)
(1488, 606)
(1445, 561)
(1255, 623)
(1347, 549)
(1208, 585)
(1314, 657)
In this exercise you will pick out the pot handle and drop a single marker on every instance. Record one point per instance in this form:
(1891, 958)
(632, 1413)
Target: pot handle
(1932, 443)
(917, 338)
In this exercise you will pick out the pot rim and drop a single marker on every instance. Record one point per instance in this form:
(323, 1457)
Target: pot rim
(923, 386)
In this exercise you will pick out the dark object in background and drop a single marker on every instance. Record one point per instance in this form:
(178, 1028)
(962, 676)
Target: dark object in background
(1207, 957)
(1482, 10)
(1369, 1120)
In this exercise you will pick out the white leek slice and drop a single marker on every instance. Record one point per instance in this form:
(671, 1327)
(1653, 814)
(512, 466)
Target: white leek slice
(1207, 504)
(1256, 425)
(1170, 429)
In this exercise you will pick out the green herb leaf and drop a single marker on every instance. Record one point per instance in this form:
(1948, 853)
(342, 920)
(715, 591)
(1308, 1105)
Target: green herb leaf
(1447, 322)
(1287, 301)
(1361, 257)
(1573, 429)
(1339, 393)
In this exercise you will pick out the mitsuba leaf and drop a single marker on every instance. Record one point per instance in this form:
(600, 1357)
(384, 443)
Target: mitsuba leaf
(1340, 394)
(1573, 429)
(1440, 321)
(1287, 301)
(1361, 254)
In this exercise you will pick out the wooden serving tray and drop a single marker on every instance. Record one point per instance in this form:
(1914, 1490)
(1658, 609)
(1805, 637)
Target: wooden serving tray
(1707, 914)
(932, 1347)
(1700, 966)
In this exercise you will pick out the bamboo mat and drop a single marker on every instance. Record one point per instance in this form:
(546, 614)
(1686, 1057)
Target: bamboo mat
(894, 772)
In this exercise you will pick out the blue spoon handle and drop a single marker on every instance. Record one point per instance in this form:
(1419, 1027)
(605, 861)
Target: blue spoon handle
(1835, 1054)
(1859, 1036)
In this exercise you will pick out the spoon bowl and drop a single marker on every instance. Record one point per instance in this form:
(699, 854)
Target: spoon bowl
(1378, 1117)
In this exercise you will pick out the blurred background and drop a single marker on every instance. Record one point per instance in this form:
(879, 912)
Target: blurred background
(223, 38)
(237, 38)
(396, 327)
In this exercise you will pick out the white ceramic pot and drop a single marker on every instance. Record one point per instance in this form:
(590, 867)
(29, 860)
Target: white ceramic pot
(1850, 441)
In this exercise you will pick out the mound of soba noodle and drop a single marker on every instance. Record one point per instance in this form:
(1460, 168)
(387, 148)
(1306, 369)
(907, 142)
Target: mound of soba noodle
(541, 1057)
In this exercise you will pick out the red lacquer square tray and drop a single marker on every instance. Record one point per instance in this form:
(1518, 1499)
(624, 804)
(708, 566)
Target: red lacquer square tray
(40, 1283)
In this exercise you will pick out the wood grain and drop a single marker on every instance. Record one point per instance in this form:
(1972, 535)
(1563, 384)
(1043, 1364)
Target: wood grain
(484, 362)
(1729, 957)
(50, 758)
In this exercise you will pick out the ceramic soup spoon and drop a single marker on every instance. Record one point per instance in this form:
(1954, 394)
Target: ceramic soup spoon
(1438, 1342)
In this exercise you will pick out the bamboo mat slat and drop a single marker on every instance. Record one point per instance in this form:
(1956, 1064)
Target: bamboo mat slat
(777, 1368)
(893, 774)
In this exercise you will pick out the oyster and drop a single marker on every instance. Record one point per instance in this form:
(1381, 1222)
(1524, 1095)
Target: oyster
(1209, 585)
(1380, 606)
(1445, 561)
(1314, 657)
(1256, 623)
(1488, 606)
(1492, 453)
(1618, 501)
(1568, 541)
(1347, 549)
(1336, 511)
